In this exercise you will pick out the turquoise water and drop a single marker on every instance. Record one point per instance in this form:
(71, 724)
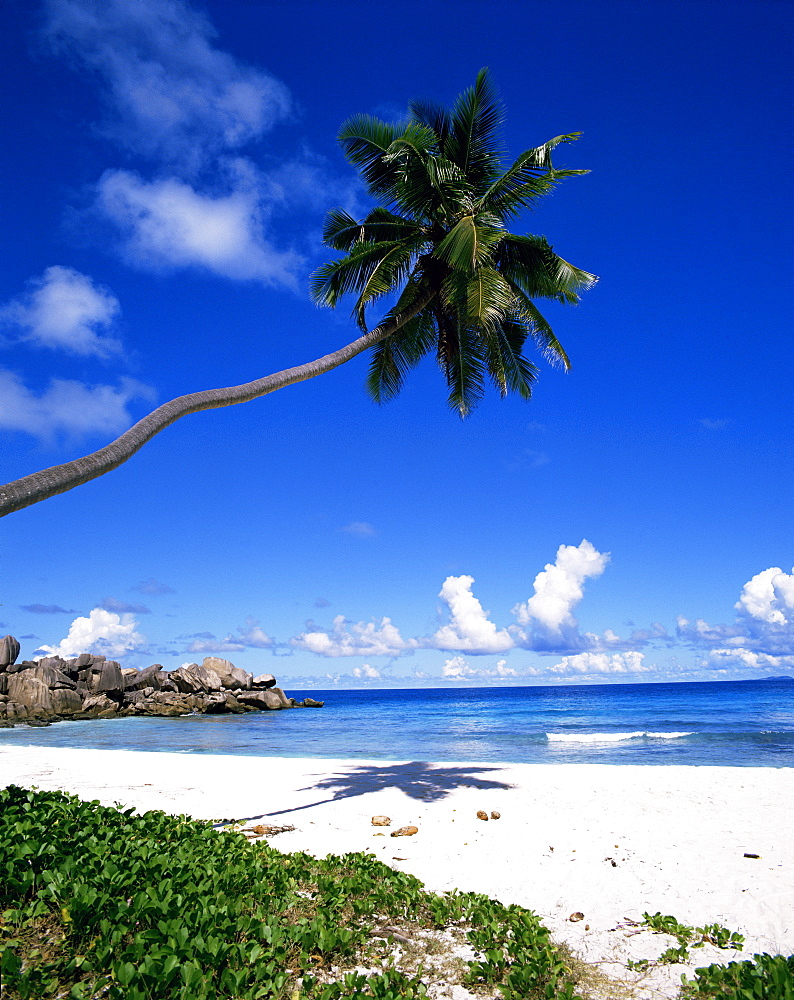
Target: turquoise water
(745, 723)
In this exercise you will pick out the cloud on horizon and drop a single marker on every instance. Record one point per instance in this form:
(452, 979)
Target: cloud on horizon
(347, 639)
(763, 633)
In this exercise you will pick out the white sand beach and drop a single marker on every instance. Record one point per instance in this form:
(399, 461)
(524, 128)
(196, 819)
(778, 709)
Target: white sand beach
(607, 841)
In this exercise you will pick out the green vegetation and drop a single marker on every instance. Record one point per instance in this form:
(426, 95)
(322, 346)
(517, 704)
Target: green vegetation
(695, 937)
(97, 902)
(767, 978)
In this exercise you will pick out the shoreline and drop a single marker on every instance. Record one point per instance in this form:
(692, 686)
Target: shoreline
(609, 841)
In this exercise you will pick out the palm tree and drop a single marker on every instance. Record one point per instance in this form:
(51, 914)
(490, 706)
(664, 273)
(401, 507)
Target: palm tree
(462, 286)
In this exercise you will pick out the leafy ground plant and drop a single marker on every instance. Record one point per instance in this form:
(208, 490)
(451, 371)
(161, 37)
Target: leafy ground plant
(101, 902)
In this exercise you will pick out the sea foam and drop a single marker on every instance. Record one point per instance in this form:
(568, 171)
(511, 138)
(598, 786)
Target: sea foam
(609, 737)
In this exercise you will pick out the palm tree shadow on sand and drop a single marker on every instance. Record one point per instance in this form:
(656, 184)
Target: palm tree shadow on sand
(420, 780)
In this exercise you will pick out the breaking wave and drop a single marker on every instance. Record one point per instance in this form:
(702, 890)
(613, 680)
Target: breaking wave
(609, 737)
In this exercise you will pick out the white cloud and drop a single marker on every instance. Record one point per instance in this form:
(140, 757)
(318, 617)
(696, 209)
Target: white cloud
(214, 646)
(175, 96)
(102, 632)
(457, 669)
(362, 639)
(370, 673)
(469, 629)
(167, 225)
(251, 635)
(769, 596)
(720, 658)
(67, 407)
(765, 620)
(64, 310)
(559, 587)
(363, 529)
(601, 663)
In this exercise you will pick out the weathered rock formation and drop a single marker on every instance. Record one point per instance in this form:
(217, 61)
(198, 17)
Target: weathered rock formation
(89, 687)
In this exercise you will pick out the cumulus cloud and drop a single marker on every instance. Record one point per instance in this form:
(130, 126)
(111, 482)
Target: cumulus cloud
(362, 529)
(166, 224)
(65, 310)
(122, 607)
(152, 586)
(361, 639)
(457, 669)
(469, 629)
(601, 663)
(559, 587)
(368, 672)
(251, 635)
(47, 609)
(68, 407)
(102, 632)
(174, 96)
(722, 658)
(769, 597)
(764, 623)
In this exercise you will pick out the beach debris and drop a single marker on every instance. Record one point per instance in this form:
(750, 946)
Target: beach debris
(495, 814)
(378, 834)
(576, 916)
(381, 821)
(405, 831)
(389, 931)
(748, 855)
(260, 830)
(482, 814)
(612, 862)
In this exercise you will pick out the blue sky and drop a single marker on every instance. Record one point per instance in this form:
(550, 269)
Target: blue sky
(166, 169)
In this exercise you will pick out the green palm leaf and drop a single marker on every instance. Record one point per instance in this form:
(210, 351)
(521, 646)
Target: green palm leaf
(473, 142)
(469, 244)
(438, 243)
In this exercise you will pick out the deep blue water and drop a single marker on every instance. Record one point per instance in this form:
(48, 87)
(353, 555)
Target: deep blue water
(743, 723)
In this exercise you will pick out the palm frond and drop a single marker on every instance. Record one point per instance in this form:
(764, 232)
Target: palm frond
(510, 371)
(337, 278)
(528, 178)
(464, 367)
(340, 230)
(535, 323)
(393, 358)
(434, 116)
(531, 263)
(473, 141)
(489, 298)
(365, 141)
(469, 243)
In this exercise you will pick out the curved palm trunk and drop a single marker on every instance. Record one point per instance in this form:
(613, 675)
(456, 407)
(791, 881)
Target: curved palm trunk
(60, 478)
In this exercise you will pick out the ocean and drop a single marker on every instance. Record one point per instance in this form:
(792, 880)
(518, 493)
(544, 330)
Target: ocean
(733, 723)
